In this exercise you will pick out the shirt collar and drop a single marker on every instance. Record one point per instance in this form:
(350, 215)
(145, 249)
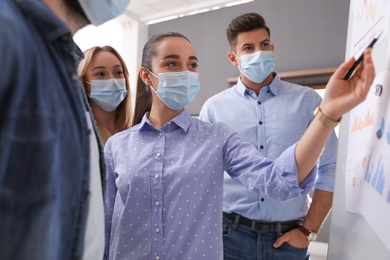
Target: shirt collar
(274, 86)
(182, 120)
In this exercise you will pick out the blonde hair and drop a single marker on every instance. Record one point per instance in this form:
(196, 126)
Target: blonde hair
(124, 111)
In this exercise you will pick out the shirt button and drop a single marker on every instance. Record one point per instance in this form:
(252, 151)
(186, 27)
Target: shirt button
(158, 154)
(157, 203)
(157, 257)
(260, 122)
(261, 147)
(259, 102)
(157, 230)
(262, 199)
(156, 176)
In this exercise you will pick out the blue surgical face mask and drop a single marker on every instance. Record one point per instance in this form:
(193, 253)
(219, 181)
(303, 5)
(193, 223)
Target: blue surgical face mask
(100, 11)
(257, 66)
(177, 89)
(108, 93)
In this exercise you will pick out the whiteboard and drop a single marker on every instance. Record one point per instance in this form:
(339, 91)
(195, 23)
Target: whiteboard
(351, 235)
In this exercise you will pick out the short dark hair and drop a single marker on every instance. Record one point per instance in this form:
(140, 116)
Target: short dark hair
(245, 23)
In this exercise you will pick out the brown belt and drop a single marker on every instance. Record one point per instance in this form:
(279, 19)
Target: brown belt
(266, 227)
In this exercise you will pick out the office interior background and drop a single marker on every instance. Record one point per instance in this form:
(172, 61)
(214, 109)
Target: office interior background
(309, 35)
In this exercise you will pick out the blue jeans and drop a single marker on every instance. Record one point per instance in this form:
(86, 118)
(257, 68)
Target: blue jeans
(243, 243)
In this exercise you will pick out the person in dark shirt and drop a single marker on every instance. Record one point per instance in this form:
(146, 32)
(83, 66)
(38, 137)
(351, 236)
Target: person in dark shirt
(51, 163)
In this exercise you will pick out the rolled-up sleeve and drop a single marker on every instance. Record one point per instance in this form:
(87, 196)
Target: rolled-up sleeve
(327, 166)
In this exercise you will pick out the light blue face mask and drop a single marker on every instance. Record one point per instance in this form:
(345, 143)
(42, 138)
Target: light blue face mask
(257, 66)
(108, 93)
(177, 89)
(100, 11)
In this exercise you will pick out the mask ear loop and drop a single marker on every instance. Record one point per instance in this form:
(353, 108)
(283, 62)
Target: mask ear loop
(238, 66)
(89, 83)
(152, 87)
(152, 73)
(236, 55)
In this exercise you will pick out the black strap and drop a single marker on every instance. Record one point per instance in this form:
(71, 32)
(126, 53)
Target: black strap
(266, 227)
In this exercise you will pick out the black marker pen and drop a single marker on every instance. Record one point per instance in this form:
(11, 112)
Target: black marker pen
(351, 70)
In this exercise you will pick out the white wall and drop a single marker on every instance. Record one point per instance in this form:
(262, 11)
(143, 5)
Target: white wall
(352, 237)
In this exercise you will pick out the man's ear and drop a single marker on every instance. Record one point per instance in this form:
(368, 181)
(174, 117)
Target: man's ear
(233, 58)
(145, 76)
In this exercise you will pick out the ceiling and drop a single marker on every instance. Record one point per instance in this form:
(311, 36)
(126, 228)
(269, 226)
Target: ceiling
(148, 10)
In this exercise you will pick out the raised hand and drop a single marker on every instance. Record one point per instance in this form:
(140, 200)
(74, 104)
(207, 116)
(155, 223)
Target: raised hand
(343, 95)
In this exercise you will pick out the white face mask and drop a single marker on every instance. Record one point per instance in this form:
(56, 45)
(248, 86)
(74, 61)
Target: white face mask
(177, 89)
(257, 66)
(108, 93)
(100, 11)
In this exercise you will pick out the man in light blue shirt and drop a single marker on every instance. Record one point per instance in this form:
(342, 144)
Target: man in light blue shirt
(272, 115)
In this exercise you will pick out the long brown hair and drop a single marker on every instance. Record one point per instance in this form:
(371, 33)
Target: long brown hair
(143, 101)
(123, 111)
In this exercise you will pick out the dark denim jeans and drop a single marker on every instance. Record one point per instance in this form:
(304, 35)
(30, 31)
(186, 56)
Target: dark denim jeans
(242, 243)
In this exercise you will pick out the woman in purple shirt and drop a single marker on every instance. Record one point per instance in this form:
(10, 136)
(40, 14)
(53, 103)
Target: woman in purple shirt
(164, 187)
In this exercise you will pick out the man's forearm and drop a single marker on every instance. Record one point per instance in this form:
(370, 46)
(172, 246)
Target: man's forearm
(319, 210)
